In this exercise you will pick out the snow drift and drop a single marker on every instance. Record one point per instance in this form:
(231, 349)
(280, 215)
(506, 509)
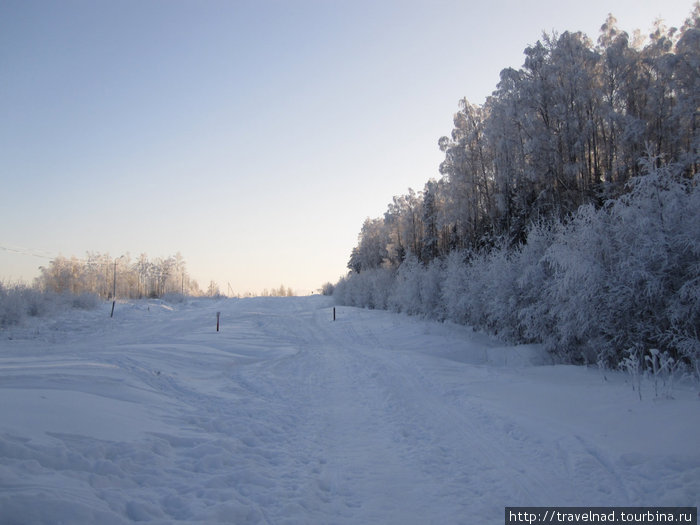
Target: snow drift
(285, 416)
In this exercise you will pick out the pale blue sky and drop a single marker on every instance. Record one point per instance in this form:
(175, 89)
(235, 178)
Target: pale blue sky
(252, 137)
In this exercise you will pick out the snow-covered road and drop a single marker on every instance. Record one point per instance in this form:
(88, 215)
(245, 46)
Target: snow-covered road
(285, 416)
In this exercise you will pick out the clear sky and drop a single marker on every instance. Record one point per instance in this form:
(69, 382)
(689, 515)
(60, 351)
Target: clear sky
(254, 137)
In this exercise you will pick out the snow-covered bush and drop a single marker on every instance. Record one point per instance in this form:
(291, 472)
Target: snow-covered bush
(10, 307)
(606, 280)
(574, 291)
(18, 302)
(85, 301)
(341, 291)
(406, 294)
(454, 287)
(651, 297)
(378, 284)
(174, 297)
(474, 290)
(488, 291)
(535, 317)
(626, 275)
(431, 281)
(367, 289)
(499, 275)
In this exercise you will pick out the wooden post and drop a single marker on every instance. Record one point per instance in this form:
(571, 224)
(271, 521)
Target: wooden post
(218, 314)
(334, 313)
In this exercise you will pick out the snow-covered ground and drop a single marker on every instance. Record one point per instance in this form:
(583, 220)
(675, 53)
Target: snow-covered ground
(285, 416)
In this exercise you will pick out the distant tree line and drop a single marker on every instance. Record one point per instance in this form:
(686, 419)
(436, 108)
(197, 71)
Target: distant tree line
(567, 210)
(214, 291)
(134, 279)
(282, 291)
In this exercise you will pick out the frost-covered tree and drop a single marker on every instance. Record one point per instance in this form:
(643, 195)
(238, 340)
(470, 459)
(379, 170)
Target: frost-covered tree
(545, 226)
(96, 275)
(468, 170)
(686, 86)
(371, 250)
(430, 248)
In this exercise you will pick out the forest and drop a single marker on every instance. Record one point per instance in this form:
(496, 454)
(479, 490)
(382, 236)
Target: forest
(567, 210)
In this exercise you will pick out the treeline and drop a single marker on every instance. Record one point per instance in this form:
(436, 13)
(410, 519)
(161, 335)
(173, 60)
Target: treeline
(547, 223)
(107, 277)
(135, 279)
(282, 291)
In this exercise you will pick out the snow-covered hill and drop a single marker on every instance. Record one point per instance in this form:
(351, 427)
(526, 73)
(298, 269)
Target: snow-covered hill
(285, 416)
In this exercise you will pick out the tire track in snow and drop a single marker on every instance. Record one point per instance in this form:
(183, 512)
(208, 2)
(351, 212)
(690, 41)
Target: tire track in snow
(477, 460)
(378, 441)
(459, 452)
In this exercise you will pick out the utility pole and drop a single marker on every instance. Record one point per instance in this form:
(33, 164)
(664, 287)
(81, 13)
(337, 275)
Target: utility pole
(114, 290)
(114, 287)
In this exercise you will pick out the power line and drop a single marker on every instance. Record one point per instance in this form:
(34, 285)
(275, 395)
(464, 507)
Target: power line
(40, 254)
(26, 251)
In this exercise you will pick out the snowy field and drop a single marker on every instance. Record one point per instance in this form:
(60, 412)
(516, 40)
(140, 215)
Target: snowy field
(285, 416)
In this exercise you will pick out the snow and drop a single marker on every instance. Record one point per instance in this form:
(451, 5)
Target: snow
(285, 416)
